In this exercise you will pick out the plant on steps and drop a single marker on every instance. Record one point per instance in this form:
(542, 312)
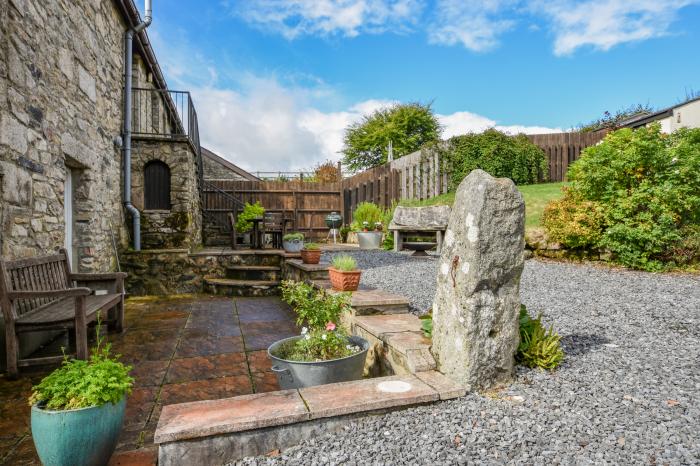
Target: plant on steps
(539, 347)
(426, 325)
(296, 236)
(344, 263)
(244, 221)
(319, 312)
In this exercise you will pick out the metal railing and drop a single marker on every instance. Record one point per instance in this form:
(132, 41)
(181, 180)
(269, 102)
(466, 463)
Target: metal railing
(164, 113)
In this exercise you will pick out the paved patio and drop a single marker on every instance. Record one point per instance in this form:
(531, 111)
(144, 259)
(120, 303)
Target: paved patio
(187, 348)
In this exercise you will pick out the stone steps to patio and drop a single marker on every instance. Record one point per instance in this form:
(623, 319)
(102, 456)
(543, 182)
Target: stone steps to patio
(298, 271)
(371, 301)
(225, 430)
(254, 272)
(232, 287)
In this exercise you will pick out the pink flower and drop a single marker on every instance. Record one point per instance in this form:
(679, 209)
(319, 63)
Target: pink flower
(330, 326)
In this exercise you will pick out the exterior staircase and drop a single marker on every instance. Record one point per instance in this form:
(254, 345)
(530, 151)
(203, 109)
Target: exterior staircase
(251, 273)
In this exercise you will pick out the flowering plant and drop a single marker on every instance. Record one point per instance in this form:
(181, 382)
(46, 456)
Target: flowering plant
(319, 312)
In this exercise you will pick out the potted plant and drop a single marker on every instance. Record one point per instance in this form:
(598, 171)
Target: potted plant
(244, 221)
(367, 222)
(293, 242)
(311, 253)
(344, 274)
(78, 409)
(323, 353)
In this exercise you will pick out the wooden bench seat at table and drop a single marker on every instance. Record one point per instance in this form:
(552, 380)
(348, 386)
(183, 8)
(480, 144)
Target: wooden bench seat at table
(41, 293)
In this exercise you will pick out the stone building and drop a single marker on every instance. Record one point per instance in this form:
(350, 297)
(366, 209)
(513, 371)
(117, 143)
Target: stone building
(61, 135)
(61, 122)
(217, 168)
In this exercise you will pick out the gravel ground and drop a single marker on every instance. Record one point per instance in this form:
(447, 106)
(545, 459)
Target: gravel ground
(628, 391)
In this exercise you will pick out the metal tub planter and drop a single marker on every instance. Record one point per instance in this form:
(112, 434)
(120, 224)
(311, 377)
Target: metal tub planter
(77, 437)
(296, 374)
(369, 239)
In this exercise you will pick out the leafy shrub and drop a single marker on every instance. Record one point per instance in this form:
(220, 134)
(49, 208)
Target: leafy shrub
(366, 214)
(326, 172)
(250, 211)
(321, 312)
(514, 157)
(312, 246)
(646, 186)
(686, 250)
(296, 236)
(81, 384)
(344, 263)
(426, 325)
(344, 232)
(388, 215)
(538, 347)
(572, 222)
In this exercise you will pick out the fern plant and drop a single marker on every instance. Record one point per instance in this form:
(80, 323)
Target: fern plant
(539, 347)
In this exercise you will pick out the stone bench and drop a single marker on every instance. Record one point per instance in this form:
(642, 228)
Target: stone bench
(417, 220)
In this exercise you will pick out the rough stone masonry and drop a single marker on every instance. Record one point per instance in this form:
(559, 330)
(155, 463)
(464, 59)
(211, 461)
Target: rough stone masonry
(477, 302)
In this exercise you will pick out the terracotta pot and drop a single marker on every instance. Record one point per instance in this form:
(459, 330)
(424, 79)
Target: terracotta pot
(344, 281)
(311, 256)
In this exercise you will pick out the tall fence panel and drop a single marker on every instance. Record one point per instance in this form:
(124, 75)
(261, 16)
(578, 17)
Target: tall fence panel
(562, 149)
(307, 203)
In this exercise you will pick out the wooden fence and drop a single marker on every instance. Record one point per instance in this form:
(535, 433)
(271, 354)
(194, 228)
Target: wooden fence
(419, 175)
(306, 202)
(561, 149)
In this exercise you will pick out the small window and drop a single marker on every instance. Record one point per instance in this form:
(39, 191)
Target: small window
(156, 176)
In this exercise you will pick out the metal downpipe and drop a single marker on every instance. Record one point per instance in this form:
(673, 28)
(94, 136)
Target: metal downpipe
(128, 76)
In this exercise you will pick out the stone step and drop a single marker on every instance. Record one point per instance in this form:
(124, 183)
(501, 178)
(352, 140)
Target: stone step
(397, 344)
(254, 272)
(372, 301)
(223, 431)
(298, 271)
(231, 287)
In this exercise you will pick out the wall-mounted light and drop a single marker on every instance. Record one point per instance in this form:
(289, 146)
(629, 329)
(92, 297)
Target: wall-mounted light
(678, 117)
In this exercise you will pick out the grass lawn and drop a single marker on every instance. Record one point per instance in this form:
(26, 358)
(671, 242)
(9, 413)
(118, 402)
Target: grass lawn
(536, 198)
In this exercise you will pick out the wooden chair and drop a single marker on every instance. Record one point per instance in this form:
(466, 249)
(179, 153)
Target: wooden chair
(41, 293)
(274, 224)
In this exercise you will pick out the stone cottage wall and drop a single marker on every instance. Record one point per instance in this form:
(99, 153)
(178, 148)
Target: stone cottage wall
(181, 226)
(213, 170)
(60, 106)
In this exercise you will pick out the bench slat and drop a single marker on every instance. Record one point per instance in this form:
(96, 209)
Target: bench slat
(64, 309)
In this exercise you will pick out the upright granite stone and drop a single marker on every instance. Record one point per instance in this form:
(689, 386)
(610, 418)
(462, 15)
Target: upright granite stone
(476, 307)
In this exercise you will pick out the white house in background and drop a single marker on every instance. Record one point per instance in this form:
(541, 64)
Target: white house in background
(683, 115)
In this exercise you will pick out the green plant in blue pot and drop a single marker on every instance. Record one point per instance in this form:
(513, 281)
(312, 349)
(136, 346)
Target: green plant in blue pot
(78, 409)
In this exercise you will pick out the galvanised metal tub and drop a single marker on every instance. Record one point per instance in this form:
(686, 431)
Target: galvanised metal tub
(294, 374)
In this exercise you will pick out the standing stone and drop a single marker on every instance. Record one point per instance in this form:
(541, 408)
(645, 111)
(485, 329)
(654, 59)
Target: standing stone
(476, 307)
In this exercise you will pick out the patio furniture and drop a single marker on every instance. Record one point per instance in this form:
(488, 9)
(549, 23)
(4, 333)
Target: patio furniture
(274, 224)
(41, 293)
(417, 220)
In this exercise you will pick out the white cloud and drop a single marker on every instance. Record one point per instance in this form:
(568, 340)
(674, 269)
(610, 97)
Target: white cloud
(475, 24)
(466, 122)
(604, 24)
(293, 18)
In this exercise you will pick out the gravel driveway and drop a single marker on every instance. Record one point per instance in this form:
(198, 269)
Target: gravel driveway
(628, 391)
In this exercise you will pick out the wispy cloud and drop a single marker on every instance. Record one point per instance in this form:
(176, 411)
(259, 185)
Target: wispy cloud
(458, 123)
(293, 18)
(475, 25)
(603, 24)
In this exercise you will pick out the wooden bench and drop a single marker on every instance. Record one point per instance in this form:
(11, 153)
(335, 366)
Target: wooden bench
(41, 293)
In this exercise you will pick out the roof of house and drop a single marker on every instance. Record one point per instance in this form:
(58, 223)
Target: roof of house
(233, 167)
(131, 15)
(646, 118)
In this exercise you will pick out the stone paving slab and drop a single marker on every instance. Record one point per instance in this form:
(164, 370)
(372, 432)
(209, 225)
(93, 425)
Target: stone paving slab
(299, 264)
(212, 417)
(381, 325)
(446, 387)
(366, 395)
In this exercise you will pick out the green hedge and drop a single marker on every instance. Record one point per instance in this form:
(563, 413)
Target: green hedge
(497, 153)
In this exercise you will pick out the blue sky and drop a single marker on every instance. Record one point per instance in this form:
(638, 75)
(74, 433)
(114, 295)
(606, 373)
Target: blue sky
(276, 81)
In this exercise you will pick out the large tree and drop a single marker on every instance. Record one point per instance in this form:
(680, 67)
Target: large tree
(407, 126)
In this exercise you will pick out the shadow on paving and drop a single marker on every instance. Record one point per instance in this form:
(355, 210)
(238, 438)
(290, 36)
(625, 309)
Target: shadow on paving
(185, 348)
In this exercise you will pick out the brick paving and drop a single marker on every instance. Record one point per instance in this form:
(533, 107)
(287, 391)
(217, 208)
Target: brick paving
(182, 349)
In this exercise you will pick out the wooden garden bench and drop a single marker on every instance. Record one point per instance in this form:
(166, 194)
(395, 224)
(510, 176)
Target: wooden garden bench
(41, 293)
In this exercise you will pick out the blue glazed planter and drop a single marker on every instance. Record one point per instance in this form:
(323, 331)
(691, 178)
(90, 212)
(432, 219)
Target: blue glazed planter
(293, 246)
(77, 437)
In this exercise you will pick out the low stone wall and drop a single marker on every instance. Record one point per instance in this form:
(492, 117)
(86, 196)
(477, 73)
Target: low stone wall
(537, 244)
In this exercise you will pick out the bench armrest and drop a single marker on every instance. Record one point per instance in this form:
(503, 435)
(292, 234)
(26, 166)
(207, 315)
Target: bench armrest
(97, 277)
(67, 293)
